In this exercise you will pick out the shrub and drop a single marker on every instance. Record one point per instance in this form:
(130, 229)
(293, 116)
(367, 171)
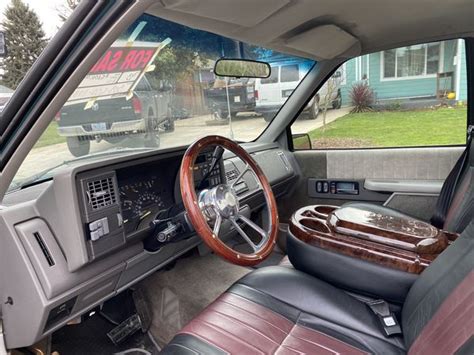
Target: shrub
(394, 106)
(362, 98)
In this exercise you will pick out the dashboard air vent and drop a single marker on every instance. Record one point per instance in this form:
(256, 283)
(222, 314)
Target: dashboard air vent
(231, 175)
(101, 193)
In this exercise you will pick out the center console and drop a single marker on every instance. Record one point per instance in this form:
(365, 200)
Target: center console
(363, 250)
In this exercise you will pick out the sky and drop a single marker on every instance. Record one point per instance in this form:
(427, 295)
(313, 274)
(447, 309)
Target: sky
(46, 11)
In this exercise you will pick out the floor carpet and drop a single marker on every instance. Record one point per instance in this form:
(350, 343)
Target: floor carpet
(179, 294)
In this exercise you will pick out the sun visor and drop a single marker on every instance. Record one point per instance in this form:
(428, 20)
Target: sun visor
(231, 11)
(326, 42)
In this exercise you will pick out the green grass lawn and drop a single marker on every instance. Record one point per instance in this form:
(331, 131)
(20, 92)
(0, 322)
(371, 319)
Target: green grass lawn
(50, 136)
(446, 126)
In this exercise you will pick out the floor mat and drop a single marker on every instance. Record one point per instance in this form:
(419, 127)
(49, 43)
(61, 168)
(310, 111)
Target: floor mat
(90, 337)
(180, 294)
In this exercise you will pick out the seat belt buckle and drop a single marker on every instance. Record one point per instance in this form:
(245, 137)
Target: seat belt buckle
(390, 324)
(387, 319)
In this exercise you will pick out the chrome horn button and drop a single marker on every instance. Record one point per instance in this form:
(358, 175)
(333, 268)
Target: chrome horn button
(221, 199)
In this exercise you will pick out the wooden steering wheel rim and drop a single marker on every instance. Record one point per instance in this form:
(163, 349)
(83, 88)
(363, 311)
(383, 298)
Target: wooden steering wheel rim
(197, 218)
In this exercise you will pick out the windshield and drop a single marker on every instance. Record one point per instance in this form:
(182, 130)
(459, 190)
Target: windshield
(155, 88)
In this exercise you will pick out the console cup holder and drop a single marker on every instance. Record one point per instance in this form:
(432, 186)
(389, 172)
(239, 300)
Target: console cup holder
(316, 225)
(325, 210)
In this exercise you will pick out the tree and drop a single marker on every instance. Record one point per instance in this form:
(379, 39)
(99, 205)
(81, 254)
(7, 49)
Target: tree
(332, 90)
(25, 40)
(189, 49)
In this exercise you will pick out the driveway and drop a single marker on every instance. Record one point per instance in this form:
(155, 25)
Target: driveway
(244, 127)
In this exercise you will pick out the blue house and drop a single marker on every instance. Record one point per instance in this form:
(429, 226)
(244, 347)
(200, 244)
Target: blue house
(419, 72)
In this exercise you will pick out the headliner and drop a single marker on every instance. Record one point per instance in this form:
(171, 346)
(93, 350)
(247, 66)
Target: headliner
(289, 25)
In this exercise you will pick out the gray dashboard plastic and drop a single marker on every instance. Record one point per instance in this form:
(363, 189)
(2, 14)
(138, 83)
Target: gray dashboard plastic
(51, 209)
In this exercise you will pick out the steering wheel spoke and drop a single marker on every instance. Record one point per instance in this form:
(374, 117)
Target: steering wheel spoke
(244, 235)
(254, 226)
(217, 225)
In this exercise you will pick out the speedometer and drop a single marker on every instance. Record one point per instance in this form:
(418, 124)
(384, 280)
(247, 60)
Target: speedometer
(146, 203)
(146, 191)
(141, 201)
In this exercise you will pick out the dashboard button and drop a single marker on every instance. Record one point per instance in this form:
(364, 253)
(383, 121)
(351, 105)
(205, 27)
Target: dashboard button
(319, 187)
(325, 187)
(105, 225)
(95, 236)
(93, 226)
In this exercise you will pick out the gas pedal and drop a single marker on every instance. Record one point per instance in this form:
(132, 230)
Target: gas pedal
(125, 329)
(143, 309)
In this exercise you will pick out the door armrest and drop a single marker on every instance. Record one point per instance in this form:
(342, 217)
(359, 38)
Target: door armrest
(412, 186)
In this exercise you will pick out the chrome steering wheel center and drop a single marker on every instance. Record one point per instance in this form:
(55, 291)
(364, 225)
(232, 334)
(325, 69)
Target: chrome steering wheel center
(221, 199)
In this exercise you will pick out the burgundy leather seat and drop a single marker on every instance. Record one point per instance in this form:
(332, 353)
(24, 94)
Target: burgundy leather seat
(285, 311)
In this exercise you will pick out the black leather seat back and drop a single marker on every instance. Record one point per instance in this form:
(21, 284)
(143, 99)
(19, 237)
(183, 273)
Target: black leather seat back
(461, 210)
(436, 291)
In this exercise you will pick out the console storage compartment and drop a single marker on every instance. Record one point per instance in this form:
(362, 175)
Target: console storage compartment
(363, 251)
(402, 243)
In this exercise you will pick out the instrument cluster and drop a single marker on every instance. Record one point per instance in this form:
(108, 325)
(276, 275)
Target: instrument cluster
(146, 191)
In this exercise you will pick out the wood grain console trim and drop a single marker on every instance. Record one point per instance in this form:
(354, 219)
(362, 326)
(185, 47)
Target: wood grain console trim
(404, 244)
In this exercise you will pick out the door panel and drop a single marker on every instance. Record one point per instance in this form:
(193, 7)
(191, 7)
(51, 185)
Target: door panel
(402, 163)
(408, 179)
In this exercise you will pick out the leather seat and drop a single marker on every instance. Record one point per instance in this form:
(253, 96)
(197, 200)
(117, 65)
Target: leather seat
(285, 311)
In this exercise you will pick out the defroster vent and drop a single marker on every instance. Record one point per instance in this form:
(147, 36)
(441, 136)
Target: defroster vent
(101, 193)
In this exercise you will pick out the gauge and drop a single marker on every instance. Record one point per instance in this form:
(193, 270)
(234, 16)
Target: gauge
(146, 203)
(141, 202)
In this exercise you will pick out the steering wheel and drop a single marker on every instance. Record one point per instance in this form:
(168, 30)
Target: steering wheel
(219, 204)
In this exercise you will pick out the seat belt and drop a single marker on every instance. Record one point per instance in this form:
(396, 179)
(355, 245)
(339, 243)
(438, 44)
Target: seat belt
(449, 187)
(387, 319)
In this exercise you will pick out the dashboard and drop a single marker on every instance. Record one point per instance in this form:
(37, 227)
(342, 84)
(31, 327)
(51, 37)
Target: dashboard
(75, 241)
(138, 201)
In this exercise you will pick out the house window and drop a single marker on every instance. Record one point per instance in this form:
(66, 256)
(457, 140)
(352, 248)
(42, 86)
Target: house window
(413, 61)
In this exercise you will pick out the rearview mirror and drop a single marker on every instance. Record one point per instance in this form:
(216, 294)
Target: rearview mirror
(242, 68)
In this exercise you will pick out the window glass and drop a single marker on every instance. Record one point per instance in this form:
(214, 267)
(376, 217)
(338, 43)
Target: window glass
(289, 73)
(389, 61)
(25, 29)
(425, 106)
(143, 85)
(155, 88)
(273, 78)
(410, 61)
(432, 58)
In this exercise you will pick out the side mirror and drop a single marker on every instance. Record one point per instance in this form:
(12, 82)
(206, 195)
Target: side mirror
(301, 141)
(242, 68)
(337, 74)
